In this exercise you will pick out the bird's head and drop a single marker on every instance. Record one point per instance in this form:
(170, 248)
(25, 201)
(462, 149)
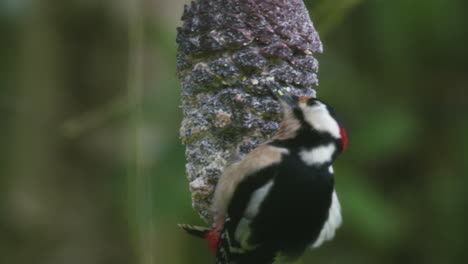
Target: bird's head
(319, 115)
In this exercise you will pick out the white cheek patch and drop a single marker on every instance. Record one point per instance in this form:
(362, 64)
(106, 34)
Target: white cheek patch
(321, 120)
(330, 169)
(333, 222)
(318, 155)
(242, 233)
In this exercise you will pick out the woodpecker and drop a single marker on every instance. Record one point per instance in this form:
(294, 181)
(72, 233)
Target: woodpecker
(280, 199)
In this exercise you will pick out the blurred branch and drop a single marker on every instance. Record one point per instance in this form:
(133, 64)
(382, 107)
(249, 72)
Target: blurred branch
(139, 181)
(90, 120)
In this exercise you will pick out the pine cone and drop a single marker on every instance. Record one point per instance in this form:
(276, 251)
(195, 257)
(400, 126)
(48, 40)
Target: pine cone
(227, 51)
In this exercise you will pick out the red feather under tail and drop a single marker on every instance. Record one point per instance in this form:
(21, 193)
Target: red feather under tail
(211, 236)
(212, 239)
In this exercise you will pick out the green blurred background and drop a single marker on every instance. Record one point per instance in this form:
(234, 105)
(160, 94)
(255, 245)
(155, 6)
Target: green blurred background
(92, 170)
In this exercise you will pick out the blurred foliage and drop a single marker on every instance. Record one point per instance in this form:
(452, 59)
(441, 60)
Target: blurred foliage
(92, 170)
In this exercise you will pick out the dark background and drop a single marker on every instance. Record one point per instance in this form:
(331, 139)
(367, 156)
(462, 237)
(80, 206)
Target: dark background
(92, 170)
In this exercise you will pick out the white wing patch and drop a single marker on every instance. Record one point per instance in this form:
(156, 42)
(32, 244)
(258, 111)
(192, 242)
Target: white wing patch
(333, 222)
(318, 155)
(242, 233)
(256, 200)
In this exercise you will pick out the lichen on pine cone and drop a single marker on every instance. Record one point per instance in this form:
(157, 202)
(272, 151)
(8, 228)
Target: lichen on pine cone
(228, 50)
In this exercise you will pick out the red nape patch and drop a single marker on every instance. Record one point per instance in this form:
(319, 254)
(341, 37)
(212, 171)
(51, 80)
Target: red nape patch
(212, 239)
(344, 138)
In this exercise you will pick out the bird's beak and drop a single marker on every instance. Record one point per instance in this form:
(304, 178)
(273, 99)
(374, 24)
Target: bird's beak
(282, 94)
(285, 97)
(303, 100)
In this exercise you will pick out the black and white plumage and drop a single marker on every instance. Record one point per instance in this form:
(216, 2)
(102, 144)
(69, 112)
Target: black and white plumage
(279, 199)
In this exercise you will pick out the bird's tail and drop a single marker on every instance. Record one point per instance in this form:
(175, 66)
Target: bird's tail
(197, 231)
(221, 245)
(210, 235)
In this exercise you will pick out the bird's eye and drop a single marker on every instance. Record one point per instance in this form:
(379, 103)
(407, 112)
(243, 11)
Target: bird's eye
(311, 102)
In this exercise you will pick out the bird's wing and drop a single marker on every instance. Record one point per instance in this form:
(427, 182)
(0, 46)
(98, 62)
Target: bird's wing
(246, 202)
(260, 158)
(242, 208)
